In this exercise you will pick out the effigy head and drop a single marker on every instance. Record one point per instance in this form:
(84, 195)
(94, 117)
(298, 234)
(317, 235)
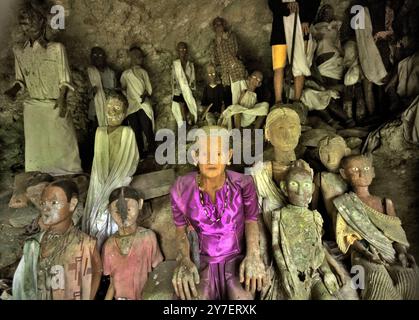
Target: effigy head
(32, 21)
(211, 73)
(326, 13)
(219, 24)
(283, 129)
(58, 202)
(332, 149)
(98, 57)
(136, 55)
(211, 151)
(125, 204)
(298, 186)
(182, 50)
(256, 79)
(116, 107)
(357, 170)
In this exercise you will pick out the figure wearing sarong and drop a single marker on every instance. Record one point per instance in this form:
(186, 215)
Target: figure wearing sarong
(115, 162)
(225, 56)
(248, 109)
(184, 107)
(286, 14)
(101, 77)
(140, 116)
(42, 69)
(368, 228)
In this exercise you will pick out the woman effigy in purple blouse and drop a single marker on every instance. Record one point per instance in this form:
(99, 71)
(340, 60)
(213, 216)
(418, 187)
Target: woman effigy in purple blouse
(222, 207)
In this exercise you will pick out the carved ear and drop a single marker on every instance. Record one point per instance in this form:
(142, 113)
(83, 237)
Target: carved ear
(195, 157)
(348, 152)
(343, 174)
(73, 204)
(283, 186)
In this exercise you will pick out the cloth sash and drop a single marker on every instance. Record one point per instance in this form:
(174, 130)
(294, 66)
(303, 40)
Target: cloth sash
(369, 225)
(333, 67)
(100, 98)
(187, 95)
(351, 61)
(369, 56)
(136, 86)
(302, 59)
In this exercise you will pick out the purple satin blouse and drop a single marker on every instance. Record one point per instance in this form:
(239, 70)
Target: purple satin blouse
(222, 240)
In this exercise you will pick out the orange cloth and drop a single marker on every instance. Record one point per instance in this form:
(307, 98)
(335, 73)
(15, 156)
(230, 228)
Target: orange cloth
(279, 56)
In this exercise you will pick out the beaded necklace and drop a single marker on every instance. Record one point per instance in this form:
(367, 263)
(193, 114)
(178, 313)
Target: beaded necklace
(201, 199)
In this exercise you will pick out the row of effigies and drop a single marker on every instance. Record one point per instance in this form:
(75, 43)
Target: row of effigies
(236, 234)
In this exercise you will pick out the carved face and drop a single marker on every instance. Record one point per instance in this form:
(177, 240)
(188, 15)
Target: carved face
(115, 111)
(359, 172)
(256, 79)
(326, 13)
(55, 207)
(182, 50)
(136, 57)
(31, 25)
(299, 188)
(98, 57)
(332, 153)
(211, 74)
(212, 156)
(218, 25)
(128, 218)
(284, 134)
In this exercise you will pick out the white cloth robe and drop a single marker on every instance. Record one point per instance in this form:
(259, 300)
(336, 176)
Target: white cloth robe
(369, 56)
(302, 59)
(115, 161)
(50, 141)
(249, 110)
(183, 82)
(135, 81)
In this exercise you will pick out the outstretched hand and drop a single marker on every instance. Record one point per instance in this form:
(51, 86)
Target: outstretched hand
(253, 274)
(62, 106)
(185, 278)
